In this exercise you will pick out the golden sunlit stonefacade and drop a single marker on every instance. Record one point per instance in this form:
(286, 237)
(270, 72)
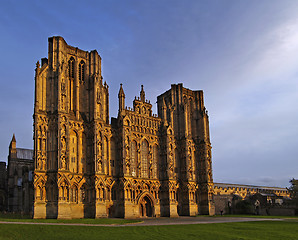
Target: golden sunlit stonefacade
(137, 165)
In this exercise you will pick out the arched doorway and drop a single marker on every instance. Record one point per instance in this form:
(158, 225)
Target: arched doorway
(146, 208)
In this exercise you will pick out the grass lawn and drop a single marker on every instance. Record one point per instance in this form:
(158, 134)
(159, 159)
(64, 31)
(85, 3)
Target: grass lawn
(255, 216)
(26, 218)
(245, 230)
(82, 221)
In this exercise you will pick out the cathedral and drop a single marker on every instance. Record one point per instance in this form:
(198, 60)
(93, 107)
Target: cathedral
(139, 164)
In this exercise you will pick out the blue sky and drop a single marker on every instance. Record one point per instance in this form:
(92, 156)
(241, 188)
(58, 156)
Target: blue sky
(243, 54)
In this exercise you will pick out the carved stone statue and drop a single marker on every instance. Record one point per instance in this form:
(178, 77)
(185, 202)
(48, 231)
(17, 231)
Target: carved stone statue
(99, 165)
(99, 148)
(63, 143)
(63, 162)
(127, 152)
(127, 165)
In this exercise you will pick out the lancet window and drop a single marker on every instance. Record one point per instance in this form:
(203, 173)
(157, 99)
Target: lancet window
(134, 155)
(155, 161)
(113, 156)
(84, 152)
(73, 151)
(82, 71)
(74, 194)
(64, 192)
(144, 159)
(105, 153)
(71, 64)
(71, 74)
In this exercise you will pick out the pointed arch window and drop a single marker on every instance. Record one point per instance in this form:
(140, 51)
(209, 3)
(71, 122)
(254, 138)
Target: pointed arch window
(73, 151)
(82, 71)
(190, 115)
(84, 153)
(134, 155)
(74, 194)
(71, 64)
(113, 156)
(155, 161)
(105, 154)
(71, 89)
(144, 159)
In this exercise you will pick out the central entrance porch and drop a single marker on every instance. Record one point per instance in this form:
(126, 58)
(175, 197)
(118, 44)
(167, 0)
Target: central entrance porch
(146, 207)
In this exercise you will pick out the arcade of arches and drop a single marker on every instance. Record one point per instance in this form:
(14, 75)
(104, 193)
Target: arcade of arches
(138, 164)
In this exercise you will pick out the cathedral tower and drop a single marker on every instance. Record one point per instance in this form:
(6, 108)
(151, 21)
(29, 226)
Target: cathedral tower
(183, 111)
(71, 101)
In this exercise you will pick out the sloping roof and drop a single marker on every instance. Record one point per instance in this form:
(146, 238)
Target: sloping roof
(230, 185)
(267, 194)
(23, 153)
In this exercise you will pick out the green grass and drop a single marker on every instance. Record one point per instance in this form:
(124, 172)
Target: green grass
(258, 216)
(14, 216)
(26, 218)
(81, 221)
(244, 231)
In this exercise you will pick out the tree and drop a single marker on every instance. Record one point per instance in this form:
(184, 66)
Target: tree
(245, 207)
(294, 192)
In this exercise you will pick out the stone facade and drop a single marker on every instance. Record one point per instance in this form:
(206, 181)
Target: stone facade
(20, 179)
(138, 165)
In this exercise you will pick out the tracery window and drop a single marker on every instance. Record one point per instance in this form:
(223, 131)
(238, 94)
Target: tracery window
(144, 159)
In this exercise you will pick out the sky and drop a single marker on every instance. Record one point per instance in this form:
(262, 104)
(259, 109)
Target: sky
(242, 53)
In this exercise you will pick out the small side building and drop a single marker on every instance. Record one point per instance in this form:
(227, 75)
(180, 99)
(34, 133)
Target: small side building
(263, 200)
(19, 179)
(3, 187)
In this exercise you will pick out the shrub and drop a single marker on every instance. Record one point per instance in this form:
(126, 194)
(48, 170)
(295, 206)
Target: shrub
(245, 207)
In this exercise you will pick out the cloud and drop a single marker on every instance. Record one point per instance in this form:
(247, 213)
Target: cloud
(243, 55)
(254, 127)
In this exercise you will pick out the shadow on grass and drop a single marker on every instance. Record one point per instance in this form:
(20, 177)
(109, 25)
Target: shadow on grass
(14, 217)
